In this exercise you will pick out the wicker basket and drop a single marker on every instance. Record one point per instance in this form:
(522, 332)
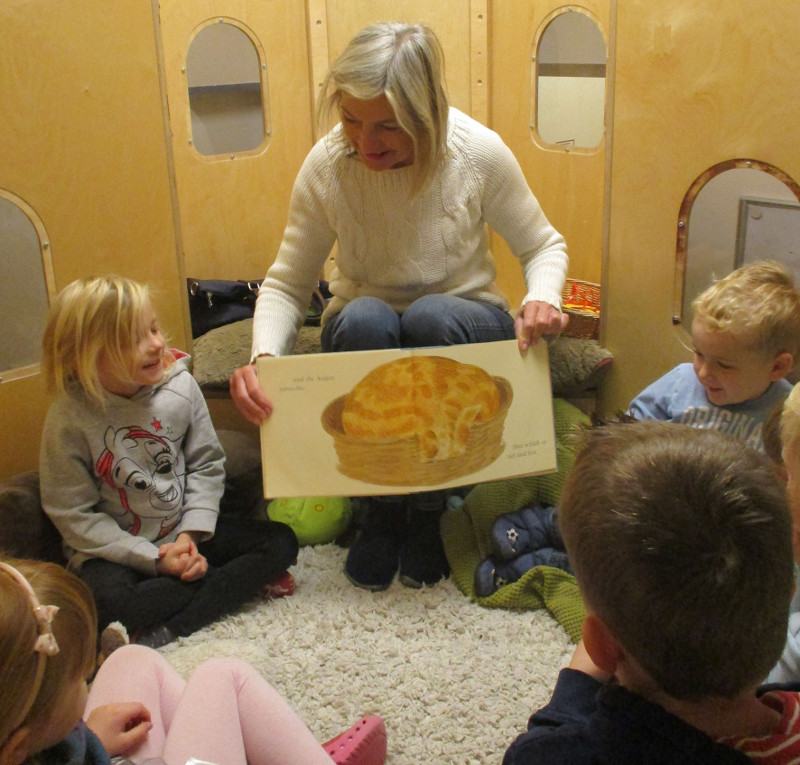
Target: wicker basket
(581, 302)
(398, 461)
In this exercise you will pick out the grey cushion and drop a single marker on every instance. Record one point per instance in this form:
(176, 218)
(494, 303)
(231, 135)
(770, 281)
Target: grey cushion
(576, 364)
(25, 530)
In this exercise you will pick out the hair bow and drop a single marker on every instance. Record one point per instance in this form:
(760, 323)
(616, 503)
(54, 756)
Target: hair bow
(46, 642)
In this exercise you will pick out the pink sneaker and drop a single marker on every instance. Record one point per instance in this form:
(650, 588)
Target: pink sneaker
(363, 744)
(282, 587)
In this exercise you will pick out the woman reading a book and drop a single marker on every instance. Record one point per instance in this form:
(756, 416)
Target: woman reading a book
(406, 184)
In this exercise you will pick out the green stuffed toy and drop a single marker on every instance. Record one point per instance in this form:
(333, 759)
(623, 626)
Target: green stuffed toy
(315, 520)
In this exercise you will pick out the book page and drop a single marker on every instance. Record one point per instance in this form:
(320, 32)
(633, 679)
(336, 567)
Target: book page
(418, 419)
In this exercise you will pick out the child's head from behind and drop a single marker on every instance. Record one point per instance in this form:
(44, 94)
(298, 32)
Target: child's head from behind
(37, 686)
(102, 334)
(681, 542)
(746, 332)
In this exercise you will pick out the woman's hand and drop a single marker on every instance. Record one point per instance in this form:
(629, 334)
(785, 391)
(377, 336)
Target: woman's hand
(535, 319)
(249, 396)
(120, 727)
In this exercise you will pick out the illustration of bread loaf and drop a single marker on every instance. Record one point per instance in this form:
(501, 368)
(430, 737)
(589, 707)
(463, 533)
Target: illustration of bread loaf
(419, 420)
(432, 398)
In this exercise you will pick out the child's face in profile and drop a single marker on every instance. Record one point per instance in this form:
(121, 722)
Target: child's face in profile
(146, 360)
(729, 372)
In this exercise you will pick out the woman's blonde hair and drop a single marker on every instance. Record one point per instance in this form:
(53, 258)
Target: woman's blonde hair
(405, 63)
(90, 317)
(74, 627)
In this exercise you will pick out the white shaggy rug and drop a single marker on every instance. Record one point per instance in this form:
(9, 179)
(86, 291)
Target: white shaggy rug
(454, 682)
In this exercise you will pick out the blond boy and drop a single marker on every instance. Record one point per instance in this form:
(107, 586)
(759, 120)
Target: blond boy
(680, 542)
(788, 667)
(745, 337)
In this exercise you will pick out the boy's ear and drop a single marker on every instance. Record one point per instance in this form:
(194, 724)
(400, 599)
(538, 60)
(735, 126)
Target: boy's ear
(600, 644)
(781, 366)
(16, 747)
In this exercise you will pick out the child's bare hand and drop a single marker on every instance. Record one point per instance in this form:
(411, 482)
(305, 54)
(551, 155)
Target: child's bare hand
(181, 558)
(196, 568)
(120, 727)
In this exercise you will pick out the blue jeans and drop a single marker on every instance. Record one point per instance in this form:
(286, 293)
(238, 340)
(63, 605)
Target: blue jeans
(368, 323)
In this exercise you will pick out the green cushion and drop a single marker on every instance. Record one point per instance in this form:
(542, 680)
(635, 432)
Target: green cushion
(315, 520)
(465, 532)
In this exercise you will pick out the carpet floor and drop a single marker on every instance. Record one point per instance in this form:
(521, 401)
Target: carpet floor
(454, 682)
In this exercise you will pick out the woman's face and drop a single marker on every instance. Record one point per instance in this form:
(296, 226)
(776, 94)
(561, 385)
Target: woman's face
(374, 133)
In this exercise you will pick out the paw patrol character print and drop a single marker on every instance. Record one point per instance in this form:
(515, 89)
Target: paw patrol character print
(143, 468)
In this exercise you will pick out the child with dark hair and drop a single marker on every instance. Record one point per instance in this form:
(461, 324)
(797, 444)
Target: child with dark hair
(680, 540)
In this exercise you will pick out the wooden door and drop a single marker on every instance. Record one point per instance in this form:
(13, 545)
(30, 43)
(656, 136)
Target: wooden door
(696, 85)
(233, 206)
(568, 182)
(83, 145)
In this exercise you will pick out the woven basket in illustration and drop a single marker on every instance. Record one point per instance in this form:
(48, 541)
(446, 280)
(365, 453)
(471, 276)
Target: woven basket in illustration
(581, 302)
(398, 461)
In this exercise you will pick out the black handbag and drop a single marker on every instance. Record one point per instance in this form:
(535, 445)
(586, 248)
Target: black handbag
(216, 302)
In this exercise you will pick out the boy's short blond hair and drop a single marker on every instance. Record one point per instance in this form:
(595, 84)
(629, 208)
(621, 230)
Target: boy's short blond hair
(758, 303)
(681, 542)
(90, 317)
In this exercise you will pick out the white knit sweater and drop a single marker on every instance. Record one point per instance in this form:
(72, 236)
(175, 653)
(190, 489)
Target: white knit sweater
(398, 250)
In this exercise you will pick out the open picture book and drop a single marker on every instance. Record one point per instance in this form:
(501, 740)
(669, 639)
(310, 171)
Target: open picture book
(405, 420)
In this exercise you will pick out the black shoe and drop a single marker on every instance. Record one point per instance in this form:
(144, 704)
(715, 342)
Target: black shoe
(422, 557)
(373, 557)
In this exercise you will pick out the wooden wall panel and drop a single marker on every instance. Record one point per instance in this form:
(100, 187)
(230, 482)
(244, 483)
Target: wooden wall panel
(83, 144)
(695, 85)
(569, 185)
(233, 210)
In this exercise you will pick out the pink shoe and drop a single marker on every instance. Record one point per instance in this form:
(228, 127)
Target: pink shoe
(363, 744)
(281, 587)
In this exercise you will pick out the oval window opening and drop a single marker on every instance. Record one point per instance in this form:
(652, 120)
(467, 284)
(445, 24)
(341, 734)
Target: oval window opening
(736, 212)
(24, 277)
(570, 77)
(223, 74)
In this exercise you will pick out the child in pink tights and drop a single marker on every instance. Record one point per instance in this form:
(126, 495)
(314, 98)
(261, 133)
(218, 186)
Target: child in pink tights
(138, 707)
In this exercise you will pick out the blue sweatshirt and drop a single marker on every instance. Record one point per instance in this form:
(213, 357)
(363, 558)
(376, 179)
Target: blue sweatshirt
(678, 396)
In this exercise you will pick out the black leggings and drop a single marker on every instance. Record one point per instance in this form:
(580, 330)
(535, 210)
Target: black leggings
(243, 555)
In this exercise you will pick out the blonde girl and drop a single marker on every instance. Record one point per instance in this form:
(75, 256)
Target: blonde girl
(132, 473)
(138, 706)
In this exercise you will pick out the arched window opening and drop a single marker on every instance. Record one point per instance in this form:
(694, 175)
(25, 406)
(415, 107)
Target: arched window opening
(26, 284)
(569, 73)
(736, 212)
(226, 77)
